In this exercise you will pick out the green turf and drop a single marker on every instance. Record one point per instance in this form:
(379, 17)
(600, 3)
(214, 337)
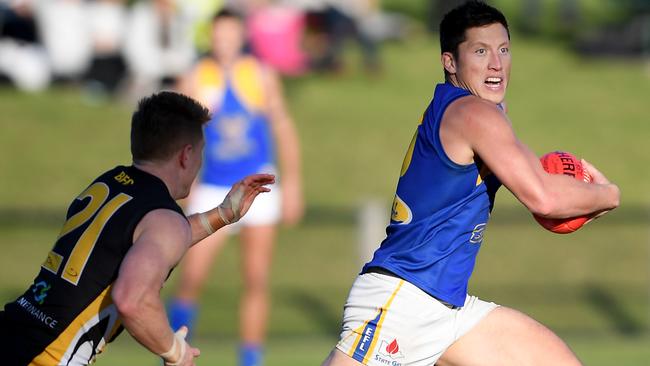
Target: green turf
(592, 287)
(599, 351)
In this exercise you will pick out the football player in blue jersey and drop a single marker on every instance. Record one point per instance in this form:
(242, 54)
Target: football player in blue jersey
(249, 127)
(410, 305)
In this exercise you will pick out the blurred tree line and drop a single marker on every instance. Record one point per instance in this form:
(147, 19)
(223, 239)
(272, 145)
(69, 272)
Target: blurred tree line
(591, 27)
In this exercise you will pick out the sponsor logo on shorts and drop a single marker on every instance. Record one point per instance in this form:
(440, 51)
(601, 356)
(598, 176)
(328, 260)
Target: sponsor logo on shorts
(390, 349)
(389, 353)
(367, 335)
(366, 338)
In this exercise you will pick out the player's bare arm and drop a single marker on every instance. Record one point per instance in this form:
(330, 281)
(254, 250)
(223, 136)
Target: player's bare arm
(160, 239)
(288, 146)
(234, 206)
(473, 127)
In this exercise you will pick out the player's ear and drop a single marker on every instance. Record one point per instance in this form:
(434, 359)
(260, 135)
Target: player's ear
(448, 62)
(184, 155)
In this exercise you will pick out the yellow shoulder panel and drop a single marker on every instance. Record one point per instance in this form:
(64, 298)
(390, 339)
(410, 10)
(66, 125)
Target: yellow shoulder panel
(248, 83)
(208, 72)
(209, 82)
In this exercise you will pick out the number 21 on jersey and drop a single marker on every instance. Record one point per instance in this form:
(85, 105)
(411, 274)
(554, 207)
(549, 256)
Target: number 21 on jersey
(99, 211)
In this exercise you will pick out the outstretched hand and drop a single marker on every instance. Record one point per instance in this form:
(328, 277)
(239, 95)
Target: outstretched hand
(241, 196)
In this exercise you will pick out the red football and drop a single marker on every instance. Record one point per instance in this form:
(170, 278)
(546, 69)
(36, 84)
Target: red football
(560, 162)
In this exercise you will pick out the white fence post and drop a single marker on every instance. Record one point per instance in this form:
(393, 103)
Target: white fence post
(372, 218)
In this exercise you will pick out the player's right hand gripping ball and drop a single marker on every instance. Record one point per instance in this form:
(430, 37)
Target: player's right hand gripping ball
(560, 162)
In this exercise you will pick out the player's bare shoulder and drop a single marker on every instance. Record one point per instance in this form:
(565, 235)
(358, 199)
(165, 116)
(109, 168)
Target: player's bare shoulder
(165, 223)
(472, 110)
(477, 119)
(464, 121)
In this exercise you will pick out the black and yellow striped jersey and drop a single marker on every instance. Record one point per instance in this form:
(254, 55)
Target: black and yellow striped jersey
(67, 315)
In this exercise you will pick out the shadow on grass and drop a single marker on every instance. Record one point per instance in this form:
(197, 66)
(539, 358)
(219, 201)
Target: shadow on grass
(588, 310)
(325, 320)
(613, 310)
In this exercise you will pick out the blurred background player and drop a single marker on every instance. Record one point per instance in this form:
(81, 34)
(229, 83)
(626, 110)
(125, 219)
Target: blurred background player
(250, 123)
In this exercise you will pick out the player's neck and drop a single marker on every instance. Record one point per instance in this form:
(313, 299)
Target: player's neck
(453, 80)
(227, 63)
(161, 171)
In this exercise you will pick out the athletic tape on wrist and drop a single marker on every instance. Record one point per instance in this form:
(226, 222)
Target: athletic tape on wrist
(235, 202)
(203, 218)
(173, 350)
(222, 215)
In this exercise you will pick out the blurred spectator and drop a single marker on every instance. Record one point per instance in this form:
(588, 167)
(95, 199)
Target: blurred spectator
(341, 20)
(106, 25)
(159, 46)
(22, 59)
(90, 41)
(63, 28)
(83, 41)
(25, 65)
(275, 34)
(17, 20)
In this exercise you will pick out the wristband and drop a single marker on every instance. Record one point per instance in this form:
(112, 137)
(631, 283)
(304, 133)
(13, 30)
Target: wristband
(203, 218)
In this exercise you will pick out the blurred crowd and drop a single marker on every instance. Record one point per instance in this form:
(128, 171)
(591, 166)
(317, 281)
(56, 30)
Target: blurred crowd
(134, 47)
(139, 46)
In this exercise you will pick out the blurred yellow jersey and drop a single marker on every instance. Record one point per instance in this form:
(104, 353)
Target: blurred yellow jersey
(246, 80)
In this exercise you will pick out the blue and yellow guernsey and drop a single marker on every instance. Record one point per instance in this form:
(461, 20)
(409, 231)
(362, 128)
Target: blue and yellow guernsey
(238, 138)
(439, 213)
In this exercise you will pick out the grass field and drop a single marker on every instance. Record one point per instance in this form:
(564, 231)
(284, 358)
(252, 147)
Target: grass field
(592, 287)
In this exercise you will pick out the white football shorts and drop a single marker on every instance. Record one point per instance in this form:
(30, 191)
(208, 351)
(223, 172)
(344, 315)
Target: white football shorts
(389, 321)
(265, 210)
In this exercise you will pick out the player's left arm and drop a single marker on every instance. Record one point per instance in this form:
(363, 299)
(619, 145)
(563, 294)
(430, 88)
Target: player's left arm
(234, 206)
(159, 241)
(288, 145)
(490, 136)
